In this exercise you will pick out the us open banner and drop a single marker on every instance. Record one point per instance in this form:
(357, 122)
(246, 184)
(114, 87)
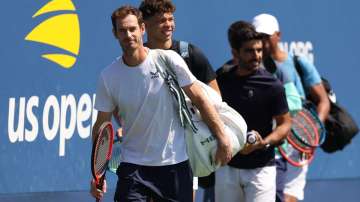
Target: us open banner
(53, 50)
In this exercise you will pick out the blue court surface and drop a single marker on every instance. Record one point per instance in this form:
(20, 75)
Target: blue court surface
(342, 190)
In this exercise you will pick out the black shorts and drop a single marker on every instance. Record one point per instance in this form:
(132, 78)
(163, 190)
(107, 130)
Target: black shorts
(160, 183)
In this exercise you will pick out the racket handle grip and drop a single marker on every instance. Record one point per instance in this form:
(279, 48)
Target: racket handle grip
(100, 185)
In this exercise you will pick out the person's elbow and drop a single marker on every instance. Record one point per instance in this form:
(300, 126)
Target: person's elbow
(324, 108)
(195, 94)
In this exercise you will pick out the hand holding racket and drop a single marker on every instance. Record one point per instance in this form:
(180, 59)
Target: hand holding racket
(95, 192)
(101, 155)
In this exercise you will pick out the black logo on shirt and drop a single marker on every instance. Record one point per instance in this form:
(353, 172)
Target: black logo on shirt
(207, 140)
(154, 75)
(250, 93)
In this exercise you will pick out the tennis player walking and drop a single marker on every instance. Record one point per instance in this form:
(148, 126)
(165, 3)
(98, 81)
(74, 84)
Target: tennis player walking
(154, 163)
(160, 25)
(260, 98)
(291, 180)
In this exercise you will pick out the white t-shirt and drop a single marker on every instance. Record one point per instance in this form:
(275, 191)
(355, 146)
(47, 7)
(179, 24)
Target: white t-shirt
(153, 135)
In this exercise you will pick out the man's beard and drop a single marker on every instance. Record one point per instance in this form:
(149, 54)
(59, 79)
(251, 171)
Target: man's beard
(249, 66)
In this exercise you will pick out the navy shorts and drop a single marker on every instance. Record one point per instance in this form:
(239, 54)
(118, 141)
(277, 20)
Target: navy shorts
(160, 183)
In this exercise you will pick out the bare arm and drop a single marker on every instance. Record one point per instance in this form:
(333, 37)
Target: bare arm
(211, 118)
(320, 97)
(100, 119)
(214, 85)
(283, 125)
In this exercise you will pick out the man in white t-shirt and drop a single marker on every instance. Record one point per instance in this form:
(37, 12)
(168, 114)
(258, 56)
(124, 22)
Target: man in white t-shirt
(153, 153)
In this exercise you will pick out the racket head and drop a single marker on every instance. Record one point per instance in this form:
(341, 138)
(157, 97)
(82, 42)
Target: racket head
(115, 157)
(306, 130)
(102, 150)
(296, 140)
(294, 156)
(310, 108)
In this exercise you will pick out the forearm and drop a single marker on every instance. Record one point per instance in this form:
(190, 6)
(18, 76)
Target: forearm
(323, 109)
(100, 119)
(280, 132)
(94, 134)
(211, 117)
(321, 99)
(277, 135)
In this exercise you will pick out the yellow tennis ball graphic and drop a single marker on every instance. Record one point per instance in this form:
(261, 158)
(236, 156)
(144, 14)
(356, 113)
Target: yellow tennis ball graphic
(61, 31)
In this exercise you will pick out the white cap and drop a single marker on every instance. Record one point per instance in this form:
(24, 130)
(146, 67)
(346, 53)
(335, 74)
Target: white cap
(266, 23)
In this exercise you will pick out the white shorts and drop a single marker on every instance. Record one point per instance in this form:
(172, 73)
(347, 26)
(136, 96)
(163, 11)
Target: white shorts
(246, 185)
(291, 180)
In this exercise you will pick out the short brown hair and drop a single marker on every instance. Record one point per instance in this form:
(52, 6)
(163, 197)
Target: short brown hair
(123, 11)
(150, 8)
(240, 32)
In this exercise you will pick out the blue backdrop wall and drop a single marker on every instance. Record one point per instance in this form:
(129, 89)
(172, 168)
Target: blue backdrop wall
(52, 52)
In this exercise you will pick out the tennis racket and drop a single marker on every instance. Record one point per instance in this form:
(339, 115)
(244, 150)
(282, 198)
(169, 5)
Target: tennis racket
(294, 156)
(307, 131)
(101, 153)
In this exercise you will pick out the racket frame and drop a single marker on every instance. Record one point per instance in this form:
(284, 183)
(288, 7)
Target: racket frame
(305, 113)
(99, 179)
(293, 162)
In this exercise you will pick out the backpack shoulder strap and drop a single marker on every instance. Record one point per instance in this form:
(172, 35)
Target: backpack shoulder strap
(164, 63)
(167, 73)
(184, 49)
(156, 54)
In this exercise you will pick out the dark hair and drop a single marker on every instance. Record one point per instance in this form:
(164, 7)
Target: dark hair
(123, 11)
(150, 8)
(240, 32)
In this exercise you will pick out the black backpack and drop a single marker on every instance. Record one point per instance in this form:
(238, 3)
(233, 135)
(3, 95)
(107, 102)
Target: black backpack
(341, 128)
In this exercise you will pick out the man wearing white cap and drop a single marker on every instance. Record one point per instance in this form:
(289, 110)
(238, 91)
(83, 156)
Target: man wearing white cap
(291, 180)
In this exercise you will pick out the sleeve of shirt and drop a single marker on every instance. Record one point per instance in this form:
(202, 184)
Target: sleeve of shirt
(200, 65)
(278, 103)
(292, 96)
(311, 75)
(103, 100)
(282, 76)
(178, 65)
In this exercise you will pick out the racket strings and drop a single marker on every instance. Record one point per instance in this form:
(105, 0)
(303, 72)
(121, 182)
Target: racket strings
(306, 129)
(299, 145)
(294, 156)
(102, 153)
(308, 125)
(313, 123)
(319, 126)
